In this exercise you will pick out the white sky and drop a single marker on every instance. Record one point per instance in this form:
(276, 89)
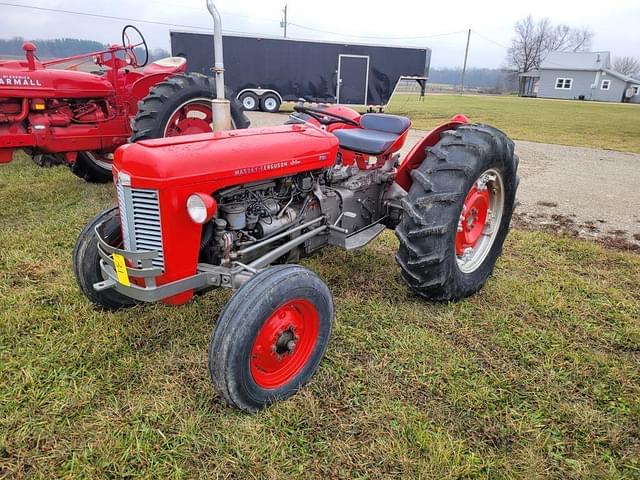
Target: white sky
(616, 23)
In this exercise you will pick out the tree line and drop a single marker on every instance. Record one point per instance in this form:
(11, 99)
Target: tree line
(64, 47)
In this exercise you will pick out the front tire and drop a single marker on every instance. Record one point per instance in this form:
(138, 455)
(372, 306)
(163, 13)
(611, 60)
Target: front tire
(271, 336)
(92, 167)
(180, 105)
(457, 213)
(86, 261)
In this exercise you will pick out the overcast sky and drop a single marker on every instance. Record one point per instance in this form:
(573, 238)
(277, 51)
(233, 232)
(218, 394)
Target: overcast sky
(616, 23)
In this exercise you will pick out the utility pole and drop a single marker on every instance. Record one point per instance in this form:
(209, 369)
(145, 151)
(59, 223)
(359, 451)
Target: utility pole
(283, 24)
(464, 67)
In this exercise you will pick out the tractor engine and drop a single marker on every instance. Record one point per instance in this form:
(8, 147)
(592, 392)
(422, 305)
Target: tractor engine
(349, 198)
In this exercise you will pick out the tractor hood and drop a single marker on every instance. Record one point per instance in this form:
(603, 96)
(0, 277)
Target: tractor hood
(16, 81)
(226, 158)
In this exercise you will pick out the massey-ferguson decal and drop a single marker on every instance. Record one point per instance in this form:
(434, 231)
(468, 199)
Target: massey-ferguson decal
(19, 81)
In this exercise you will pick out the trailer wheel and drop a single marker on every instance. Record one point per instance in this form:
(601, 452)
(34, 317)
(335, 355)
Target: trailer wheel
(92, 167)
(249, 101)
(86, 261)
(457, 213)
(180, 105)
(270, 103)
(270, 337)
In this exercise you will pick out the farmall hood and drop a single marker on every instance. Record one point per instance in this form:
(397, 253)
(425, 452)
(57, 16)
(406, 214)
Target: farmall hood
(227, 158)
(18, 81)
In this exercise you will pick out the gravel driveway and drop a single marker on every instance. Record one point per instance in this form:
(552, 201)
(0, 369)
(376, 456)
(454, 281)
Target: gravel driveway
(584, 192)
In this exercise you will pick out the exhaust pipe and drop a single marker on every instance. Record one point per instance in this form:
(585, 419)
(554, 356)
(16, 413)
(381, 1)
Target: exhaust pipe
(220, 107)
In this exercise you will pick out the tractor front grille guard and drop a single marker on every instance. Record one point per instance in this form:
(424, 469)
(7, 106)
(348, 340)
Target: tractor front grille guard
(139, 265)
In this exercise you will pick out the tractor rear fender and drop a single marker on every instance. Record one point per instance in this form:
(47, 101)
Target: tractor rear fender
(417, 154)
(141, 86)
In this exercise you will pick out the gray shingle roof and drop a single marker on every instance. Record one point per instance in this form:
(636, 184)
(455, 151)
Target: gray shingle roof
(621, 76)
(577, 61)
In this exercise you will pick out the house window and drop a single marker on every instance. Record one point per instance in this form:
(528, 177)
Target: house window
(563, 83)
(605, 84)
(636, 89)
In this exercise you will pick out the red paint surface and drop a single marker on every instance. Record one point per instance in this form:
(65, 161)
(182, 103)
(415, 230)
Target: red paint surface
(271, 367)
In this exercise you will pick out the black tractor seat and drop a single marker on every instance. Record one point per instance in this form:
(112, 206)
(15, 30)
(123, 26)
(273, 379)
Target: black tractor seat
(378, 133)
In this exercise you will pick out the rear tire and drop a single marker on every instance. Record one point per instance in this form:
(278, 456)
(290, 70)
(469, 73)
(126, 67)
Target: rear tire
(86, 261)
(270, 103)
(168, 97)
(441, 256)
(270, 337)
(92, 167)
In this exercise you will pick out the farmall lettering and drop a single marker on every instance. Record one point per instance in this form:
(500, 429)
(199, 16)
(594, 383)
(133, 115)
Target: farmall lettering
(19, 81)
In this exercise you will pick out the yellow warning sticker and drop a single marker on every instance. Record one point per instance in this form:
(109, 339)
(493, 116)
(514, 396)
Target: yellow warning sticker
(121, 269)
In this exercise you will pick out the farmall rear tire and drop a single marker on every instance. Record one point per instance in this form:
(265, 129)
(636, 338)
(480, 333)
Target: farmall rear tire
(270, 338)
(457, 213)
(161, 113)
(86, 261)
(92, 167)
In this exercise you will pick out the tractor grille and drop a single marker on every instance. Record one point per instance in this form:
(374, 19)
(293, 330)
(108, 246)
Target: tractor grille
(140, 217)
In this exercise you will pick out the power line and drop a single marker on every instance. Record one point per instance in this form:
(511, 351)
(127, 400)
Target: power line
(110, 17)
(376, 36)
(490, 41)
(169, 24)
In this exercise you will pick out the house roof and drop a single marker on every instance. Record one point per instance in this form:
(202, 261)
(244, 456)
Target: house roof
(576, 61)
(621, 76)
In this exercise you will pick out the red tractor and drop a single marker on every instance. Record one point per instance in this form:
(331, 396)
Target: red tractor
(235, 209)
(80, 118)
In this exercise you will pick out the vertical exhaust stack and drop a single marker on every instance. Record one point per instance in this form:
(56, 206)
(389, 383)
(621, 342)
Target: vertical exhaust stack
(221, 108)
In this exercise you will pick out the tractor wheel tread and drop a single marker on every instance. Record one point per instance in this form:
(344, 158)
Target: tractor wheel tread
(422, 179)
(436, 197)
(428, 230)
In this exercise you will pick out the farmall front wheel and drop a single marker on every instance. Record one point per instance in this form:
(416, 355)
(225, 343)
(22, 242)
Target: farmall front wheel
(270, 338)
(181, 105)
(457, 213)
(93, 167)
(86, 261)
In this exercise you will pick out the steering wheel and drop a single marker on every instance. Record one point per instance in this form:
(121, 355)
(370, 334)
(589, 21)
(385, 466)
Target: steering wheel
(324, 117)
(130, 48)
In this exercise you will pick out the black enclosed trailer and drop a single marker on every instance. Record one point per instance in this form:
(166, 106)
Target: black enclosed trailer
(267, 71)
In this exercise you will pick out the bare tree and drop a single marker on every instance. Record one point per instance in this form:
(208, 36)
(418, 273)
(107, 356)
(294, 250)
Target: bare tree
(627, 65)
(534, 39)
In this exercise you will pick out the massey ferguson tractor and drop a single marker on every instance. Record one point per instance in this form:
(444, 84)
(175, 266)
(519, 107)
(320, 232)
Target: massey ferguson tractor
(80, 118)
(236, 209)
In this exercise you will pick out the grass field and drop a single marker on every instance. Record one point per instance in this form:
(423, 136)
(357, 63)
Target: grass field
(612, 126)
(538, 376)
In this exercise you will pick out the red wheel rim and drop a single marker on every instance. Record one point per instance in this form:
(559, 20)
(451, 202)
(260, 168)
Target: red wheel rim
(472, 219)
(284, 343)
(191, 117)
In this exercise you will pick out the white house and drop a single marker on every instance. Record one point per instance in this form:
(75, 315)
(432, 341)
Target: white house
(580, 76)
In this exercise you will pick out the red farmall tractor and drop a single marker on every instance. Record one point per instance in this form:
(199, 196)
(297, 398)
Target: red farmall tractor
(80, 118)
(236, 209)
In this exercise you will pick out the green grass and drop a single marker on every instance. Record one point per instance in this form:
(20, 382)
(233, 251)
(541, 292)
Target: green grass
(538, 376)
(612, 126)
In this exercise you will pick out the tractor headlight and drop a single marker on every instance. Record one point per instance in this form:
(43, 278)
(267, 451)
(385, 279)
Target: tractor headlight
(201, 207)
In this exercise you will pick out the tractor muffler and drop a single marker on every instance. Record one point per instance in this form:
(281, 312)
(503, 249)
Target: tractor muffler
(220, 107)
